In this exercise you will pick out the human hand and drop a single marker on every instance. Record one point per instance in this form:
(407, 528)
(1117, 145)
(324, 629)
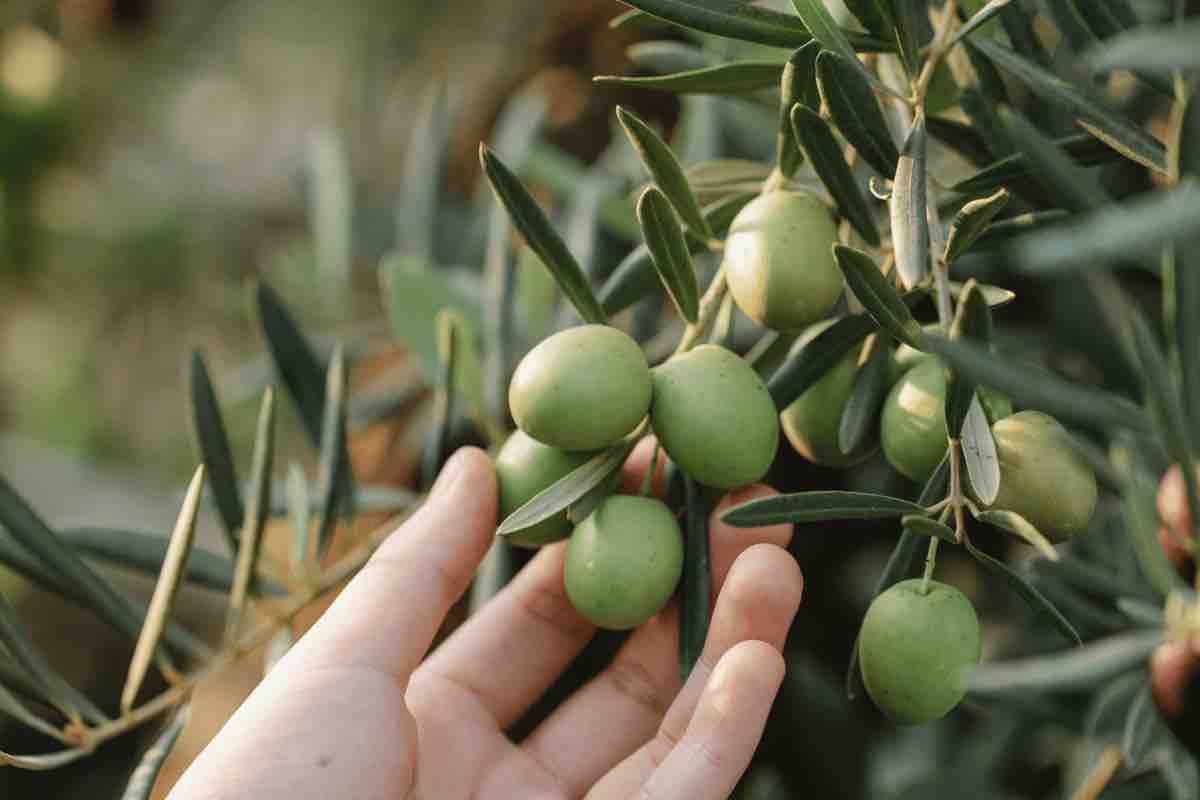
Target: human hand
(355, 709)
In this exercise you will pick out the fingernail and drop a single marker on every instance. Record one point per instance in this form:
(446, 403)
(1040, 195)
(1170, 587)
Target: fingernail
(449, 475)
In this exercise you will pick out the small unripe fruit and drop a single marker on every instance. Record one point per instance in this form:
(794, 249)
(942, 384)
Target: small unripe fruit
(581, 389)
(524, 467)
(916, 651)
(913, 426)
(1041, 478)
(779, 260)
(624, 561)
(713, 416)
(812, 422)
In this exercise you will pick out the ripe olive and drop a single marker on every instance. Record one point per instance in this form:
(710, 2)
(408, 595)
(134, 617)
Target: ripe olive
(581, 389)
(913, 426)
(779, 260)
(624, 561)
(524, 467)
(714, 417)
(916, 651)
(1041, 478)
(811, 423)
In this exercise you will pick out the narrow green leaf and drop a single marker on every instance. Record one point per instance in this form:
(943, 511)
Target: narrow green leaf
(500, 276)
(660, 162)
(208, 428)
(910, 228)
(141, 782)
(1163, 48)
(665, 57)
(1084, 149)
(860, 417)
(978, 20)
(979, 453)
(696, 581)
(1141, 612)
(331, 208)
(856, 112)
(1038, 389)
(1189, 138)
(1053, 89)
(911, 23)
(541, 237)
(1140, 726)
(927, 527)
(570, 489)
(1075, 33)
(962, 137)
(825, 154)
(1036, 600)
(970, 222)
(421, 174)
(34, 665)
(818, 507)
(165, 591)
(300, 515)
(994, 296)
(1079, 669)
(45, 762)
(582, 508)
(1142, 523)
(798, 84)
(1000, 233)
(12, 707)
(1187, 335)
(824, 29)
(669, 252)
(256, 513)
(878, 297)
(805, 364)
(734, 77)
(874, 15)
(331, 466)
(974, 322)
(1023, 529)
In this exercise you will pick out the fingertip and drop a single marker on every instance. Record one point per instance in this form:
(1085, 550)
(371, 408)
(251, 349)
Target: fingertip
(772, 571)
(752, 666)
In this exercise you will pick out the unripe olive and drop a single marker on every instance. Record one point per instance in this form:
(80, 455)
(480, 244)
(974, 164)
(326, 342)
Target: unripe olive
(779, 260)
(913, 427)
(581, 389)
(714, 417)
(524, 467)
(812, 422)
(916, 651)
(995, 405)
(624, 561)
(1041, 478)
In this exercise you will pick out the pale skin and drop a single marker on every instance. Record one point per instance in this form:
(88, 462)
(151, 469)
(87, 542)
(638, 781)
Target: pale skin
(359, 708)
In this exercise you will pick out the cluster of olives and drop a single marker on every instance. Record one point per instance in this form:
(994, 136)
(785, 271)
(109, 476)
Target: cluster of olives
(589, 387)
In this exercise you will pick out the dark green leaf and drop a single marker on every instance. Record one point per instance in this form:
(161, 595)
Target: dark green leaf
(974, 322)
(12, 707)
(1000, 233)
(1080, 669)
(582, 508)
(1187, 334)
(696, 582)
(861, 414)
(1038, 389)
(669, 252)
(825, 154)
(331, 467)
(663, 167)
(910, 228)
(818, 507)
(1053, 89)
(824, 29)
(1083, 148)
(1140, 725)
(929, 528)
(1075, 33)
(734, 77)
(213, 444)
(141, 782)
(971, 221)
(1036, 600)
(257, 509)
(421, 183)
(541, 237)
(1141, 612)
(1142, 522)
(977, 20)
(1164, 48)
(806, 363)
(912, 26)
(798, 84)
(29, 658)
(665, 57)
(1013, 523)
(856, 112)
(878, 297)
(995, 296)
(875, 16)
(297, 364)
(961, 137)
(1189, 138)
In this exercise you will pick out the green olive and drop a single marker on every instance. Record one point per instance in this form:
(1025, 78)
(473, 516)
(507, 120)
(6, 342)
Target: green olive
(812, 422)
(913, 426)
(714, 417)
(1041, 478)
(916, 651)
(779, 260)
(995, 405)
(624, 561)
(581, 389)
(524, 467)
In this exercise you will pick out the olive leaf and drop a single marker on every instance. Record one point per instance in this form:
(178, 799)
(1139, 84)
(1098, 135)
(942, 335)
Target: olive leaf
(1036, 600)
(300, 515)
(1085, 150)
(500, 276)
(910, 229)
(1189, 138)
(1139, 611)
(696, 581)
(824, 29)
(825, 154)
(855, 110)
(141, 782)
(582, 508)
(1140, 726)
(1187, 335)
(806, 363)
(797, 84)
(979, 452)
(818, 507)
(735, 77)
(977, 20)
(665, 57)
(33, 663)
(1164, 48)
(1058, 92)
(875, 16)
(208, 428)
(424, 159)
(331, 465)
(861, 413)
(1013, 523)
(668, 252)
(973, 321)
(255, 518)
(541, 237)
(567, 490)
(44, 762)
(1079, 669)
(995, 296)
(165, 591)
(927, 527)
(663, 167)
(1000, 233)
(12, 707)
(1141, 521)
(970, 222)
(877, 295)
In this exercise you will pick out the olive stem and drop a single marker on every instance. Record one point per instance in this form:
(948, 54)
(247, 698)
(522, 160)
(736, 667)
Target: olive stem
(930, 563)
(648, 478)
(936, 51)
(1098, 779)
(709, 305)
